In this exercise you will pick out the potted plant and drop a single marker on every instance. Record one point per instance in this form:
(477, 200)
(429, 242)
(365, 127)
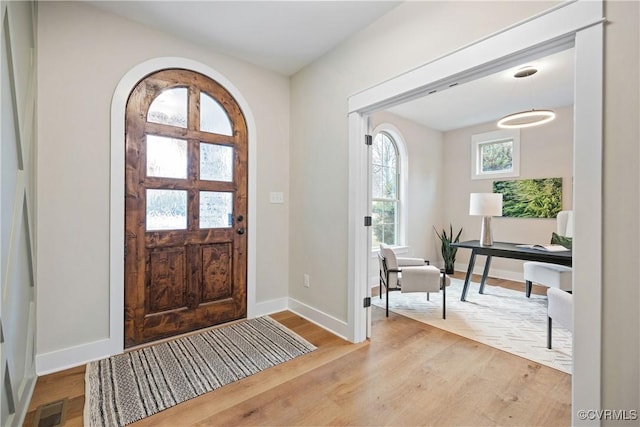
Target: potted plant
(448, 251)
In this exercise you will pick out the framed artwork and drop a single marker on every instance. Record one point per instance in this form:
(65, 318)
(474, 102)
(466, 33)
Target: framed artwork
(530, 198)
(495, 154)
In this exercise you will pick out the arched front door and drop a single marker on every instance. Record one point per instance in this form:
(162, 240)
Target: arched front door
(185, 206)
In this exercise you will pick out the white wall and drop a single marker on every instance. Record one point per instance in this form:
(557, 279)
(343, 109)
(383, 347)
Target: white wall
(424, 202)
(410, 35)
(545, 152)
(621, 213)
(83, 54)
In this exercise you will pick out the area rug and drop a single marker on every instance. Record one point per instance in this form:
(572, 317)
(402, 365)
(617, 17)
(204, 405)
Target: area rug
(501, 318)
(131, 386)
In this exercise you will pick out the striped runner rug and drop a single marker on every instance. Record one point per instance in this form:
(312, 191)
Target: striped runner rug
(131, 386)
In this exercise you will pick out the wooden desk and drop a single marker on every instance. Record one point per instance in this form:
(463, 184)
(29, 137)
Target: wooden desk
(506, 250)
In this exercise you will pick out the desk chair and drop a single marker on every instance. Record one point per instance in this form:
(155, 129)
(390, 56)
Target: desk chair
(559, 309)
(551, 275)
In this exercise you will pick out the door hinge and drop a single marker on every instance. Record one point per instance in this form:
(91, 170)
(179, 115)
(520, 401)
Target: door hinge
(368, 140)
(367, 302)
(367, 221)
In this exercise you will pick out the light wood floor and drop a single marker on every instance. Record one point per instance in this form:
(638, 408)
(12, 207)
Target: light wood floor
(409, 373)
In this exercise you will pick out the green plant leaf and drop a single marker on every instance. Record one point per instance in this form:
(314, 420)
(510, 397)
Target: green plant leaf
(448, 251)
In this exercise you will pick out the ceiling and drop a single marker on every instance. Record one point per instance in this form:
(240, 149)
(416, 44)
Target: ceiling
(282, 36)
(497, 95)
(285, 36)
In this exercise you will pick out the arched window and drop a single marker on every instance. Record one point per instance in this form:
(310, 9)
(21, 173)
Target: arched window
(386, 189)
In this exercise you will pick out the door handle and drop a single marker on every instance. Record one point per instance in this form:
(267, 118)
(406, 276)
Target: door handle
(240, 230)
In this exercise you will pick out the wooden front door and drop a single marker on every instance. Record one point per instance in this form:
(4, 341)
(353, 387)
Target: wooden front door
(185, 207)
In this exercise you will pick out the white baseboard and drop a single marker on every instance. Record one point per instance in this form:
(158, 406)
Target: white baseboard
(269, 307)
(66, 358)
(330, 323)
(325, 321)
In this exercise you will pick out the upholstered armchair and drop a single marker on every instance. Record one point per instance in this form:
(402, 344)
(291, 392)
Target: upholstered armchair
(551, 275)
(559, 309)
(410, 275)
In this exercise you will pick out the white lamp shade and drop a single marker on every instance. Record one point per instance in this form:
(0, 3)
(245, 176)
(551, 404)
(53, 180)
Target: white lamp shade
(485, 204)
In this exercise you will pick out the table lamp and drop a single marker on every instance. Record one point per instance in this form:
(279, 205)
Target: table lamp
(485, 205)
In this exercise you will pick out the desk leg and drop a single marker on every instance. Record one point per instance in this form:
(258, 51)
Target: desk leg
(485, 273)
(467, 279)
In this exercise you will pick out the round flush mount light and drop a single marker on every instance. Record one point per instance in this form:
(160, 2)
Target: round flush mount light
(525, 119)
(525, 72)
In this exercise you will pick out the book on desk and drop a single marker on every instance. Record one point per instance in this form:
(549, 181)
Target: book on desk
(547, 248)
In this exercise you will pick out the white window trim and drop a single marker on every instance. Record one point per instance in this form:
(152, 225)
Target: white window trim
(403, 180)
(480, 139)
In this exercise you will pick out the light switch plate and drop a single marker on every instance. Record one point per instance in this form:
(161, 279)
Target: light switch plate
(276, 197)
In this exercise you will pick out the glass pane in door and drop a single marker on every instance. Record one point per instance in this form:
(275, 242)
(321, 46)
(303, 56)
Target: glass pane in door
(216, 162)
(216, 209)
(166, 210)
(166, 157)
(169, 108)
(213, 118)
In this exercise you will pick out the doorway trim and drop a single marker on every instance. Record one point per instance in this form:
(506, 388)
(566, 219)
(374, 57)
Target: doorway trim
(578, 24)
(116, 222)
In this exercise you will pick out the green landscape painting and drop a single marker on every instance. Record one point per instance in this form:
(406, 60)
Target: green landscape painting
(530, 198)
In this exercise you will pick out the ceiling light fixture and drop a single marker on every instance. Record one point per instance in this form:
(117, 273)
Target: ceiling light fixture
(525, 119)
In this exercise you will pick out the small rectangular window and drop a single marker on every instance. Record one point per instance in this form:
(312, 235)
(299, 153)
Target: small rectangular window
(495, 154)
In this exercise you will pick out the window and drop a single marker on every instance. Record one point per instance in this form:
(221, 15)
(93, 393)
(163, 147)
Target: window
(495, 154)
(385, 188)
(188, 179)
